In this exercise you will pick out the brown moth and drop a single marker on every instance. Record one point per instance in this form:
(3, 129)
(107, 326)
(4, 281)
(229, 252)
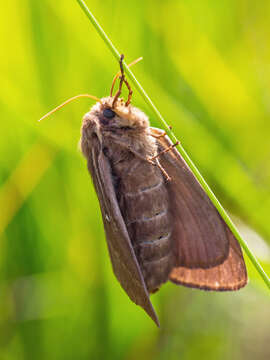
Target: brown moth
(160, 225)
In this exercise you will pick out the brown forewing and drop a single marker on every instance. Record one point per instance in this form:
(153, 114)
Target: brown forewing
(124, 262)
(207, 254)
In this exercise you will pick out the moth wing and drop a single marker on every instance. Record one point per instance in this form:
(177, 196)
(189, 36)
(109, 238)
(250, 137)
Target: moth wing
(123, 258)
(230, 275)
(208, 256)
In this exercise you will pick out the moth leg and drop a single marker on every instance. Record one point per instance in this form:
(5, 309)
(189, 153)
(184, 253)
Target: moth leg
(122, 79)
(165, 150)
(159, 136)
(164, 172)
(130, 92)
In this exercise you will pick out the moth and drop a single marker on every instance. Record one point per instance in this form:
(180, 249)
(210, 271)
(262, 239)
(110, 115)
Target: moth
(160, 224)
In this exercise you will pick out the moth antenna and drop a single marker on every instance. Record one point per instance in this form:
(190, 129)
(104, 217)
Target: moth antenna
(134, 62)
(67, 102)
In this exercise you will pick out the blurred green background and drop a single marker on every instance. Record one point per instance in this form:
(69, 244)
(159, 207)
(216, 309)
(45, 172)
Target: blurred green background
(206, 67)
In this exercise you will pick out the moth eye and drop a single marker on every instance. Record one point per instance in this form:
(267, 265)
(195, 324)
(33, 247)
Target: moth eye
(108, 113)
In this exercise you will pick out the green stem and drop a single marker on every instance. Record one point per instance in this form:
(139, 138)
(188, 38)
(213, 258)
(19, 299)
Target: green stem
(182, 151)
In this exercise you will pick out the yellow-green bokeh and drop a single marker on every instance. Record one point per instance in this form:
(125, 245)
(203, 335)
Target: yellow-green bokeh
(206, 67)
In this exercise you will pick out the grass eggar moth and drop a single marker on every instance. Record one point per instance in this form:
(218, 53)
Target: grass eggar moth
(160, 224)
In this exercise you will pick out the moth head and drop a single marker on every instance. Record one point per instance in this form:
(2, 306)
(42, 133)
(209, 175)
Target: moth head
(109, 116)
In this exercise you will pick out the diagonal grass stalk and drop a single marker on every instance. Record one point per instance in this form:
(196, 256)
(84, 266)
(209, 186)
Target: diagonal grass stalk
(182, 151)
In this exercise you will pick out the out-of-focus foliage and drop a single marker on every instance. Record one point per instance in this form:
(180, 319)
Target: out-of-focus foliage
(206, 66)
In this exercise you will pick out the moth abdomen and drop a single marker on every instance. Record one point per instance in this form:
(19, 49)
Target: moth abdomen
(154, 249)
(156, 272)
(144, 203)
